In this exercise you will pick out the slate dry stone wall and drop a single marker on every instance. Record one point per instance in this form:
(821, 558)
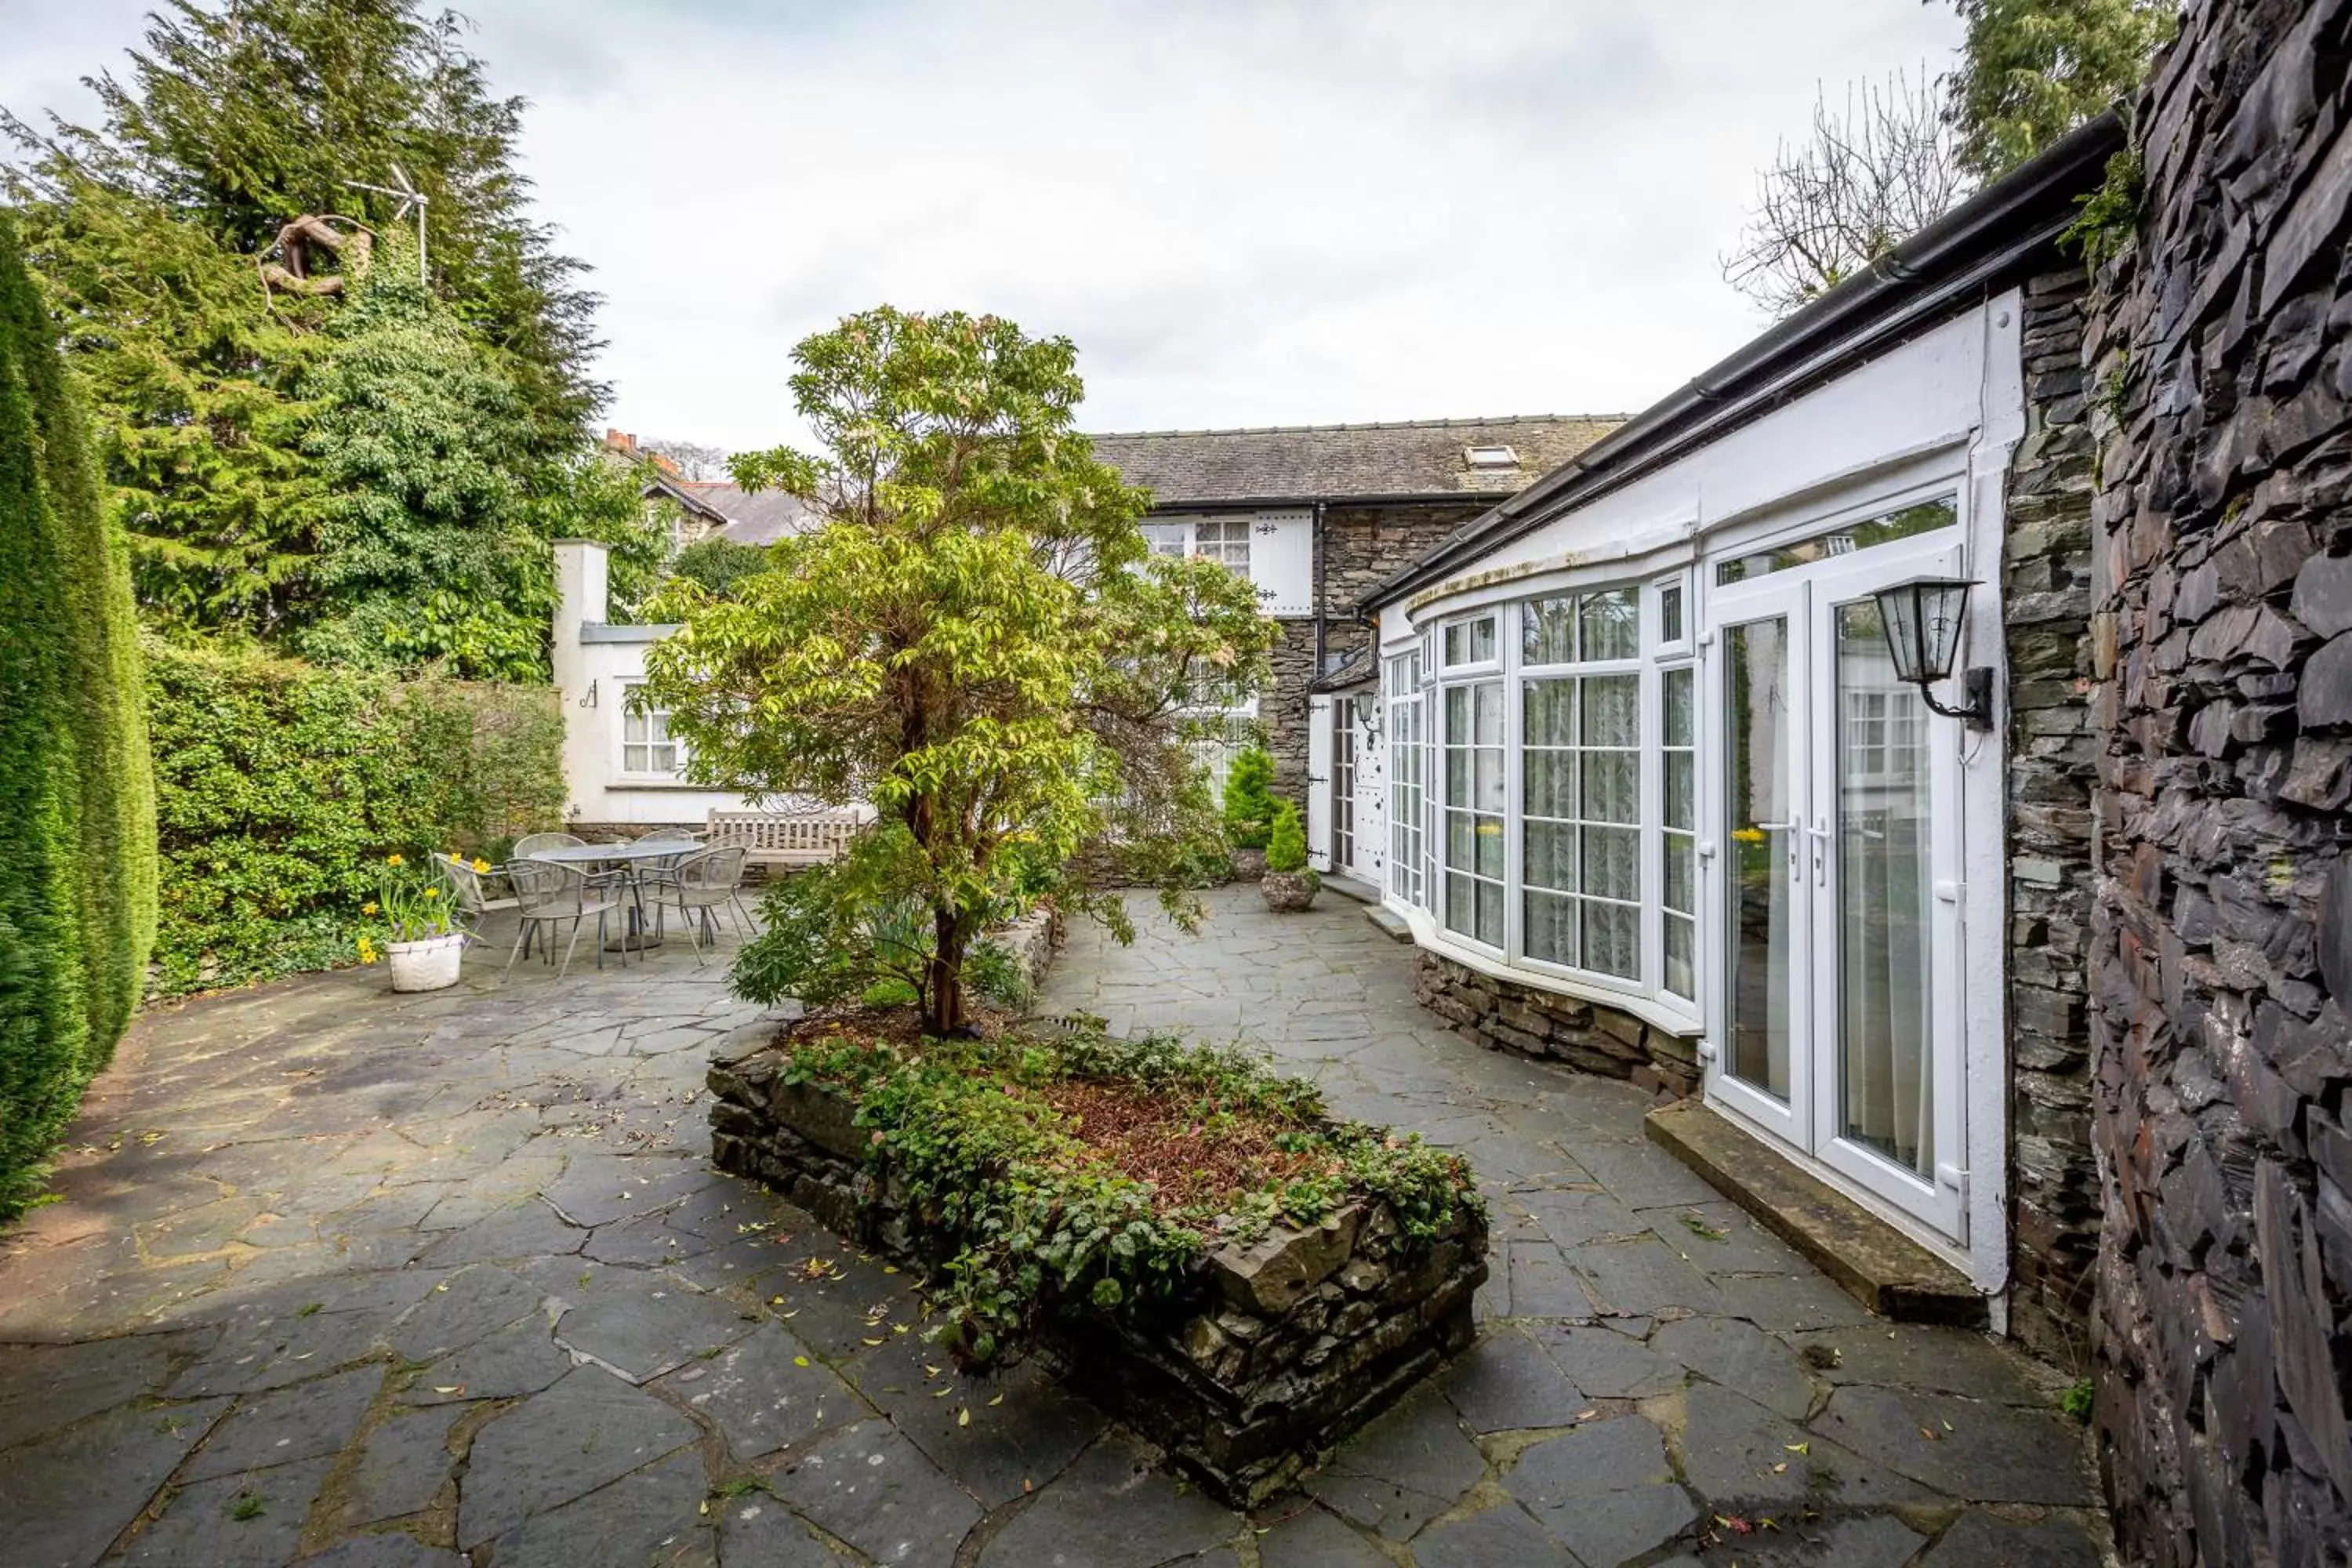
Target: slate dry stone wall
(1273, 1351)
(1546, 1026)
(1362, 547)
(2046, 589)
(2222, 956)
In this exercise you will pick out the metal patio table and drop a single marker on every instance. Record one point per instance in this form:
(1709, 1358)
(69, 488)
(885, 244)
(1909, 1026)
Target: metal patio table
(628, 858)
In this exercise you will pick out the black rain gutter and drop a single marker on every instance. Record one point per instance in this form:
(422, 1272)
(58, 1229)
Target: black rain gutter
(1972, 247)
(1404, 497)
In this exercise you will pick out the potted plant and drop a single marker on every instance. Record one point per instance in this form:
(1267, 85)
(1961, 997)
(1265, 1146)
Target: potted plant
(1249, 811)
(421, 941)
(1288, 885)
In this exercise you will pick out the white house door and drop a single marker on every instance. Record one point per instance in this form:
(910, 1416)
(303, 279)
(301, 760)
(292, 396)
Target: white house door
(1836, 1018)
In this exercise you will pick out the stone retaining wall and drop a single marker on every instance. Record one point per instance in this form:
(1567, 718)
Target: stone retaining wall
(1547, 1026)
(1271, 1351)
(2221, 951)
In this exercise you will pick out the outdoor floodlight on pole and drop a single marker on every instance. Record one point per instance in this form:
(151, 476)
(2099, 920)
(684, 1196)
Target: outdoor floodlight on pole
(1922, 620)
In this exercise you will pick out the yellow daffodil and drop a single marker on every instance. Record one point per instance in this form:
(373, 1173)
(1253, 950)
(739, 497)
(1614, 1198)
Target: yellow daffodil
(368, 908)
(393, 859)
(432, 892)
(455, 858)
(481, 865)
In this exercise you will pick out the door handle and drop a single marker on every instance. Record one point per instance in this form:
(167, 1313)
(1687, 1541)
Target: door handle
(1820, 832)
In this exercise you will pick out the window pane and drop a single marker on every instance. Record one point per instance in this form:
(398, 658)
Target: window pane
(1490, 712)
(1458, 711)
(1457, 775)
(634, 760)
(1550, 783)
(1612, 711)
(1489, 837)
(1548, 712)
(1679, 812)
(1490, 913)
(1613, 939)
(1461, 839)
(1547, 631)
(1612, 866)
(1613, 786)
(1482, 639)
(1489, 778)
(1549, 849)
(1681, 889)
(1670, 613)
(1608, 624)
(1460, 903)
(1907, 523)
(1551, 927)
(1675, 697)
(1681, 977)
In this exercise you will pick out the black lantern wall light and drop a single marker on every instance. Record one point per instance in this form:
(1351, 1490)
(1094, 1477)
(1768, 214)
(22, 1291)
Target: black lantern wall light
(1922, 619)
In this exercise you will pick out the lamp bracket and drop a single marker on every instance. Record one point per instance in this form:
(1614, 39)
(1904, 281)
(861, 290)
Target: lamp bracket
(1976, 714)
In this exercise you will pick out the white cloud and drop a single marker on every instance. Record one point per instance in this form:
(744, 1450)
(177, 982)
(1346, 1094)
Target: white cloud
(1243, 213)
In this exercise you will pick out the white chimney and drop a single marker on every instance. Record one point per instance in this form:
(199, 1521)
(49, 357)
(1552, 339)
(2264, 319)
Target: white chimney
(579, 600)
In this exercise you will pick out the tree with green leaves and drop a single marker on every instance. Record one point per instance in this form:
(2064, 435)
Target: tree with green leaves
(2031, 70)
(718, 563)
(975, 641)
(77, 801)
(241, 117)
(432, 542)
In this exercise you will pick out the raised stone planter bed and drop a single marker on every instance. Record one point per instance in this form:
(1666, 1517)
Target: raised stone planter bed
(1267, 1354)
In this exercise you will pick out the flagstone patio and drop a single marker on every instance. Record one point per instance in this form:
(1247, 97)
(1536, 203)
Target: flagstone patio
(374, 1281)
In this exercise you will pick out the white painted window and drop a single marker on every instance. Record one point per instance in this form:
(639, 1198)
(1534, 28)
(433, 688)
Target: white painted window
(1564, 794)
(646, 745)
(1225, 539)
(1407, 759)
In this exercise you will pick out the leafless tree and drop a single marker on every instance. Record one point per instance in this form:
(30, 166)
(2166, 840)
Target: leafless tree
(1863, 182)
(694, 460)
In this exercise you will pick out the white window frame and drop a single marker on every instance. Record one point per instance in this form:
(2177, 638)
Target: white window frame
(1408, 770)
(1645, 662)
(1229, 546)
(631, 713)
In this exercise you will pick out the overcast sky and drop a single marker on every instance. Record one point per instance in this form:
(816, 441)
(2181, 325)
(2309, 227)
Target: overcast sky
(1244, 213)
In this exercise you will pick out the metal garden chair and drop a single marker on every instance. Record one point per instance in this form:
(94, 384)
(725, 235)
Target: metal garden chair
(548, 894)
(703, 884)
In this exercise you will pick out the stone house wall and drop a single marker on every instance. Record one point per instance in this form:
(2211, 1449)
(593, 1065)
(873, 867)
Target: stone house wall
(2045, 582)
(2222, 949)
(1363, 546)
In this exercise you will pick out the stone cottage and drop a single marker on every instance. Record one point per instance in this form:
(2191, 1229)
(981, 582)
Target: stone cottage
(1315, 515)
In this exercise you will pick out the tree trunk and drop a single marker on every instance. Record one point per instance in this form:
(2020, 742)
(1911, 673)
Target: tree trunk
(943, 1012)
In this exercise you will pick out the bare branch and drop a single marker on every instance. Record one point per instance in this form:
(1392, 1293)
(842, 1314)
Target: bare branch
(1863, 182)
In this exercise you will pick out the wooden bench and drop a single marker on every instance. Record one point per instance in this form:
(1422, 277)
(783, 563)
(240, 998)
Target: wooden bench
(774, 839)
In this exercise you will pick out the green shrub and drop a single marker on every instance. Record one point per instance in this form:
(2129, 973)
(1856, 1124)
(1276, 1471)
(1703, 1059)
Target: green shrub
(1249, 799)
(718, 563)
(76, 840)
(1023, 1220)
(845, 931)
(1286, 848)
(282, 785)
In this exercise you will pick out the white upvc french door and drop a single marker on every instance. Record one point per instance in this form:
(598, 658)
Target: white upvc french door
(1836, 1019)
(1761, 690)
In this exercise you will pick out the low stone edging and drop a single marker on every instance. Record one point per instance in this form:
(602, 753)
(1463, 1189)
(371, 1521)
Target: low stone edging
(1270, 1355)
(1526, 1021)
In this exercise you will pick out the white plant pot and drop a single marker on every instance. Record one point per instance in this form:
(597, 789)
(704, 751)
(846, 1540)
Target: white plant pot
(425, 965)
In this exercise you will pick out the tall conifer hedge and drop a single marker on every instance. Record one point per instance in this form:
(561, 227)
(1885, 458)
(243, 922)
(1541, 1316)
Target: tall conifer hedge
(78, 862)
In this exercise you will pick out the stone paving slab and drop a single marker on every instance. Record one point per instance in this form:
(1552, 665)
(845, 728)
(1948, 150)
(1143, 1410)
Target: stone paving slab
(366, 1281)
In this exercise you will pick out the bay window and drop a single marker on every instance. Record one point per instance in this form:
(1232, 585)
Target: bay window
(1555, 754)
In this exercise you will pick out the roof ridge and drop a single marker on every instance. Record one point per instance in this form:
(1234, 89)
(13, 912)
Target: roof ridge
(1465, 423)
